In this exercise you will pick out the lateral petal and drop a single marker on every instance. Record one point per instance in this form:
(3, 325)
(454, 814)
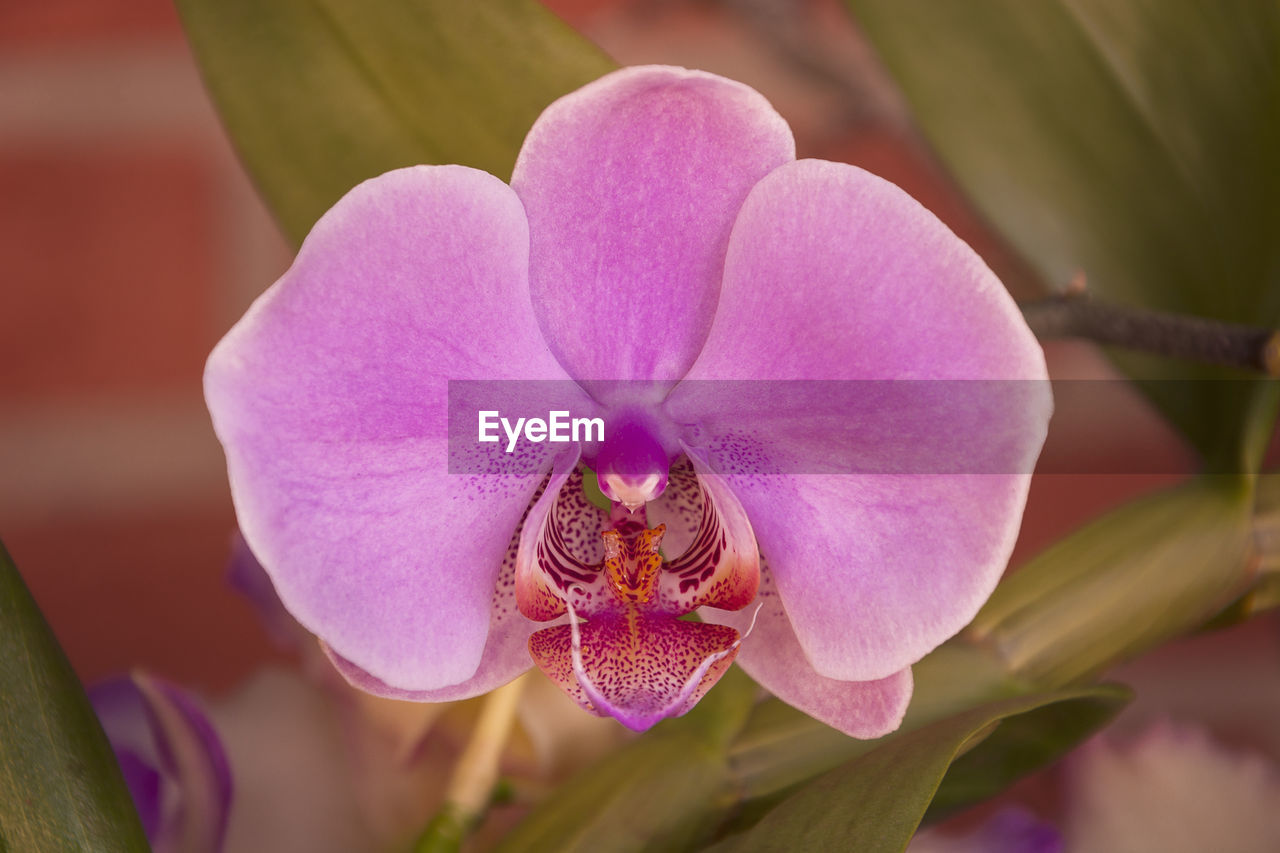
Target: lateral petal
(835, 277)
(330, 398)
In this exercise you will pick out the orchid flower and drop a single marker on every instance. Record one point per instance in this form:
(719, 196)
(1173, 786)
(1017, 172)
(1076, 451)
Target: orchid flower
(172, 761)
(660, 260)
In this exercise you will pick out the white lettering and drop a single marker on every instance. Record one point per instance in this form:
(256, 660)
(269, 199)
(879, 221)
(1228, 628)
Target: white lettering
(587, 425)
(487, 423)
(559, 422)
(558, 428)
(512, 434)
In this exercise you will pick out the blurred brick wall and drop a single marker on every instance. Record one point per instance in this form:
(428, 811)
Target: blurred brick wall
(130, 241)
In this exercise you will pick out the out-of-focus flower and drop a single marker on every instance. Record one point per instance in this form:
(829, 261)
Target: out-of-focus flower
(1173, 790)
(172, 760)
(658, 244)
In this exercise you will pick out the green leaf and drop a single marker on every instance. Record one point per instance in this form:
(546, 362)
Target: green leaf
(1264, 559)
(1021, 744)
(663, 791)
(60, 788)
(319, 95)
(1149, 571)
(781, 747)
(876, 801)
(1137, 141)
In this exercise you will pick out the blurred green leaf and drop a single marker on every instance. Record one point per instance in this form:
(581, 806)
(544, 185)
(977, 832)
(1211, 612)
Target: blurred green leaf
(661, 792)
(876, 801)
(1264, 591)
(1149, 571)
(319, 95)
(60, 788)
(1137, 141)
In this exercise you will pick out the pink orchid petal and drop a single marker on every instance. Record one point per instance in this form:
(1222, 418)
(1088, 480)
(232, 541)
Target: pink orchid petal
(506, 652)
(560, 546)
(679, 508)
(772, 656)
(631, 185)
(638, 670)
(721, 566)
(834, 274)
(331, 400)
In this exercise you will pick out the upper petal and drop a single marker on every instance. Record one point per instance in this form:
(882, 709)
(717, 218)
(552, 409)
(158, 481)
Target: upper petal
(834, 274)
(330, 398)
(631, 185)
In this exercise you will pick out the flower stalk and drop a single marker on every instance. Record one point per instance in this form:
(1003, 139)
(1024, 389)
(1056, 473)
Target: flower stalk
(476, 773)
(1074, 314)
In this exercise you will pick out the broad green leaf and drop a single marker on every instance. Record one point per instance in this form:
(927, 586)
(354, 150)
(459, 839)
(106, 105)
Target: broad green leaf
(663, 791)
(1137, 141)
(781, 747)
(60, 788)
(875, 802)
(319, 95)
(1020, 745)
(1149, 571)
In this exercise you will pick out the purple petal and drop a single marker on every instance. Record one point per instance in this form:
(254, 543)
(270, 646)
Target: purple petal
(121, 710)
(191, 752)
(772, 656)
(331, 400)
(172, 758)
(631, 185)
(506, 653)
(834, 274)
(146, 788)
(246, 575)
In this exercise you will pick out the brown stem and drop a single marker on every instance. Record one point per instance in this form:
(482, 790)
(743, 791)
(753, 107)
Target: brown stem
(1073, 315)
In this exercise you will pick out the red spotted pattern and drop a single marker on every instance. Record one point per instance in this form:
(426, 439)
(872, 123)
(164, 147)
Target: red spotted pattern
(634, 658)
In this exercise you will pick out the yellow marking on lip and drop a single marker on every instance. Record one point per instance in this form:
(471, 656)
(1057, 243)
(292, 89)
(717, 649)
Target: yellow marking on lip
(632, 566)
